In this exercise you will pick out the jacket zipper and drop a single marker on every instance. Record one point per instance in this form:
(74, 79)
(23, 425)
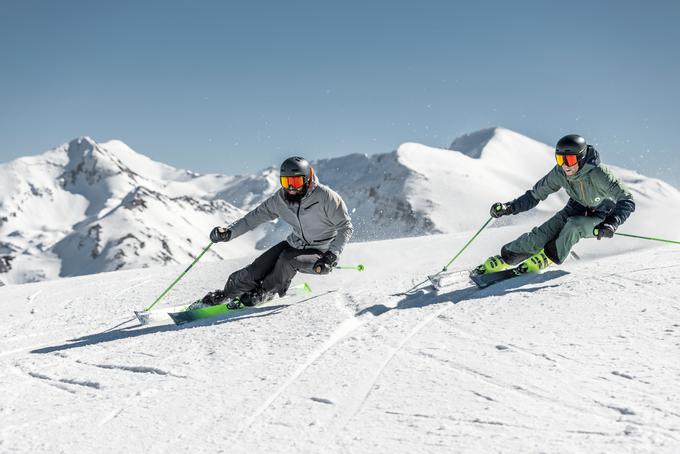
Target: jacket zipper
(583, 191)
(300, 223)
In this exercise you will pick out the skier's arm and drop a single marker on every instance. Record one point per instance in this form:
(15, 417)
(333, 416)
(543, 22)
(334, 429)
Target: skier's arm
(266, 211)
(625, 204)
(337, 213)
(541, 190)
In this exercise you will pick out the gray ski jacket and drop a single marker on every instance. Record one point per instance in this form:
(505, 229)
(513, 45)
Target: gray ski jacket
(320, 221)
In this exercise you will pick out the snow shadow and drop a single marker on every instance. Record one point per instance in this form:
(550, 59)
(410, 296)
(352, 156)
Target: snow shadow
(141, 330)
(116, 333)
(424, 298)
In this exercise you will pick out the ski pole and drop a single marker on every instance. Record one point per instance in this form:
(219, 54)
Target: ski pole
(647, 238)
(464, 247)
(179, 277)
(359, 267)
(433, 278)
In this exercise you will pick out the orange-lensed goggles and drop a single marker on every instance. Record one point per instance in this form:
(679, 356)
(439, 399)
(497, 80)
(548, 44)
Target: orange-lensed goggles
(568, 159)
(294, 182)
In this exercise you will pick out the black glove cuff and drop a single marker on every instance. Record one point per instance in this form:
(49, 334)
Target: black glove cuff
(330, 258)
(612, 221)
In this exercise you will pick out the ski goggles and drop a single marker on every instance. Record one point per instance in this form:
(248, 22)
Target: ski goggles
(568, 159)
(294, 182)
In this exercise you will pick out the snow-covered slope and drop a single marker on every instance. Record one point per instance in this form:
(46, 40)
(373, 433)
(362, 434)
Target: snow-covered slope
(582, 358)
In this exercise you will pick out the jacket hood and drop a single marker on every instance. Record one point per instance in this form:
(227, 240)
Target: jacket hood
(592, 157)
(312, 185)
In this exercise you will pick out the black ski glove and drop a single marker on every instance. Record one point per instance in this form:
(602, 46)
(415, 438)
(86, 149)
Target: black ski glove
(605, 229)
(220, 234)
(500, 209)
(326, 263)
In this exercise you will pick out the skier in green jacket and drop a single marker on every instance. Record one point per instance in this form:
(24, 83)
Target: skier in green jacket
(599, 203)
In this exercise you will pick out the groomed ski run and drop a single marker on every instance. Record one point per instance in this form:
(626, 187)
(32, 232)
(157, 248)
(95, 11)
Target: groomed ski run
(580, 358)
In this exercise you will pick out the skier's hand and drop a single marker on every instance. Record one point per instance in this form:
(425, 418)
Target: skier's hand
(220, 234)
(500, 209)
(325, 263)
(604, 230)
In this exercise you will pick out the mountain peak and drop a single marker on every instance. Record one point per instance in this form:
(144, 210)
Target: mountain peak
(473, 144)
(87, 140)
(498, 144)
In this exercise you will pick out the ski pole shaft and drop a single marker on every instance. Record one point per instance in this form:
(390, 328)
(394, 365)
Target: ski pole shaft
(359, 267)
(179, 277)
(434, 276)
(466, 245)
(648, 238)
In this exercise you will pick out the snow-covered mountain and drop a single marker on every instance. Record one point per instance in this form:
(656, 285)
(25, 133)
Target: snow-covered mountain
(85, 207)
(418, 190)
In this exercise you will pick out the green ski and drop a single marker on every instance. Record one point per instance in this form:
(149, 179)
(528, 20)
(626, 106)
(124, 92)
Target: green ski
(202, 312)
(191, 315)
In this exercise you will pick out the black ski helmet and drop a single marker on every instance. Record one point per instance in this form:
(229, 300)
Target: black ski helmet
(572, 144)
(296, 166)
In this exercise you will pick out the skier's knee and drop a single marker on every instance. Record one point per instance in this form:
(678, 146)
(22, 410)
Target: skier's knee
(288, 255)
(292, 259)
(575, 226)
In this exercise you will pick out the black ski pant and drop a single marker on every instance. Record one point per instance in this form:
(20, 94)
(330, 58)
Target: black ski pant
(274, 270)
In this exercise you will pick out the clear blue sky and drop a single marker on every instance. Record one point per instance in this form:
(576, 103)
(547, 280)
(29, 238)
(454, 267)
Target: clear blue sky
(232, 87)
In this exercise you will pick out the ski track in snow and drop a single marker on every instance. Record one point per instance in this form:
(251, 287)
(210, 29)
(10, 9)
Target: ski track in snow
(31, 299)
(346, 327)
(389, 358)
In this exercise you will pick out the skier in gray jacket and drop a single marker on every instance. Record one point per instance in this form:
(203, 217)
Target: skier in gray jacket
(321, 229)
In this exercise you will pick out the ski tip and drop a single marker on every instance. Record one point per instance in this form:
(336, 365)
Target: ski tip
(435, 280)
(306, 287)
(143, 317)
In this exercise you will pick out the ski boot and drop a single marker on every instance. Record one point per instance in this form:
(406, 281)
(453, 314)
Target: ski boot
(210, 299)
(536, 262)
(492, 265)
(214, 298)
(256, 296)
